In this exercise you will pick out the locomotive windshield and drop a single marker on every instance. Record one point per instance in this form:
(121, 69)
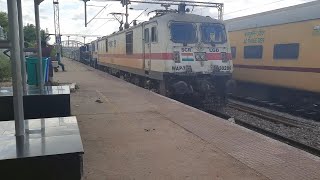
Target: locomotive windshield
(183, 32)
(215, 33)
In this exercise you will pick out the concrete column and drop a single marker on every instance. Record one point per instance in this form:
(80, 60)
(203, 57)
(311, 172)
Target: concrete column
(21, 38)
(37, 18)
(16, 67)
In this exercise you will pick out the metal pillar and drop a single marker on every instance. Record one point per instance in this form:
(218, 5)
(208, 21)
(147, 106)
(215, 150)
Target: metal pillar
(21, 38)
(16, 67)
(85, 13)
(37, 18)
(126, 25)
(57, 26)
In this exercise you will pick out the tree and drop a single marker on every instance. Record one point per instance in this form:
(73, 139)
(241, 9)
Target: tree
(29, 31)
(4, 21)
(30, 35)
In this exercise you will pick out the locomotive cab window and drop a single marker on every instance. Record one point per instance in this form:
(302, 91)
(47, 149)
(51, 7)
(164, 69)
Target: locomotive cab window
(146, 35)
(129, 42)
(286, 51)
(154, 35)
(183, 32)
(213, 33)
(233, 52)
(253, 52)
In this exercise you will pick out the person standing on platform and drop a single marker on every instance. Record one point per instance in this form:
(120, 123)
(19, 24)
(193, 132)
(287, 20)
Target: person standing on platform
(59, 62)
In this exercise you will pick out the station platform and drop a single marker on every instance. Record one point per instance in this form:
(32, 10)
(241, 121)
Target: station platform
(132, 133)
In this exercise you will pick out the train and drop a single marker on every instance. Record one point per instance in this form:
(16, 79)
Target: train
(175, 53)
(275, 54)
(82, 54)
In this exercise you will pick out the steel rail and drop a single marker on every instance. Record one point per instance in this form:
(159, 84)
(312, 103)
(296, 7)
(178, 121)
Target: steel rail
(267, 115)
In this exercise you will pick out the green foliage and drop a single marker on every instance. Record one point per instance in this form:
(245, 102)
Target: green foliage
(29, 31)
(4, 21)
(5, 68)
(30, 35)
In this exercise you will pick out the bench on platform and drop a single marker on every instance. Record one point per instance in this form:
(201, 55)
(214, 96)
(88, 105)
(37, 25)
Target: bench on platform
(51, 149)
(53, 101)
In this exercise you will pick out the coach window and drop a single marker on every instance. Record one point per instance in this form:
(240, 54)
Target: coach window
(154, 35)
(233, 52)
(253, 52)
(106, 45)
(146, 35)
(129, 42)
(286, 51)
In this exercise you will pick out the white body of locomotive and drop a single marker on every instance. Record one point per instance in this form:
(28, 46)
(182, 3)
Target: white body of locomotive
(178, 53)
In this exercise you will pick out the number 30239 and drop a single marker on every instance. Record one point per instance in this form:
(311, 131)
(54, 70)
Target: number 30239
(222, 68)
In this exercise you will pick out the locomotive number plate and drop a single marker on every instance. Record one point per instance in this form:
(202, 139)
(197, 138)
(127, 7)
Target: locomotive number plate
(221, 68)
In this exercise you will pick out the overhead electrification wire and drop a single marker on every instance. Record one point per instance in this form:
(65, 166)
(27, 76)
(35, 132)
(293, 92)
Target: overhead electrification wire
(98, 15)
(253, 7)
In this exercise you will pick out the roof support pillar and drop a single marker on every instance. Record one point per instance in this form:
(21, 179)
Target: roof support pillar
(21, 40)
(38, 35)
(16, 67)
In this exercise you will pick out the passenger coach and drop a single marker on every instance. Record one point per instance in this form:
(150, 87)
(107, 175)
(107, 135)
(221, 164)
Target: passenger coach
(277, 52)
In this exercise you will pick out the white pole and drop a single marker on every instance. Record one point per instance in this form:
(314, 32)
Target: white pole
(16, 67)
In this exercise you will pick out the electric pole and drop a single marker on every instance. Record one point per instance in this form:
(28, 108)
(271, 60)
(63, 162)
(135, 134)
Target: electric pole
(85, 12)
(57, 25)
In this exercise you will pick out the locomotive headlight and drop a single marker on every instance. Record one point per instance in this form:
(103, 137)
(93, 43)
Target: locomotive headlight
(200, 56)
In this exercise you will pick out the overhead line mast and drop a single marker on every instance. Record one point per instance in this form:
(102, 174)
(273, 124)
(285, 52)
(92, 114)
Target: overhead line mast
(57, 25)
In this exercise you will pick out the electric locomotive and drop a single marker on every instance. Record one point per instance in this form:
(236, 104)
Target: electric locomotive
(175, 53)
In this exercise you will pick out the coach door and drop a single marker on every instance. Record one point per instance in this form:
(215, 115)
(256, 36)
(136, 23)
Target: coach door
(147, 49)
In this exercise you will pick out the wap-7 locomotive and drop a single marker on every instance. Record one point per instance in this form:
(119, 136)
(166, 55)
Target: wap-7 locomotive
(175, 53)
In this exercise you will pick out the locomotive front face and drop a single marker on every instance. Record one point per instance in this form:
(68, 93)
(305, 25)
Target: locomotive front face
(200, 48)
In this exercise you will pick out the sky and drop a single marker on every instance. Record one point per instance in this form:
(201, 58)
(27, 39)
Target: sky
(72, 13)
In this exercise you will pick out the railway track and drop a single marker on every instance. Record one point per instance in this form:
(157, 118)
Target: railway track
(309, 111)
(273, 118)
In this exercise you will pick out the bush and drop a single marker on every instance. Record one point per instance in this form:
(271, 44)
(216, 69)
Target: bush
(5, 68)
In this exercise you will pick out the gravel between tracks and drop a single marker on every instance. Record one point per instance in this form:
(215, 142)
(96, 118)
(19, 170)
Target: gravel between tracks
(307, 135)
